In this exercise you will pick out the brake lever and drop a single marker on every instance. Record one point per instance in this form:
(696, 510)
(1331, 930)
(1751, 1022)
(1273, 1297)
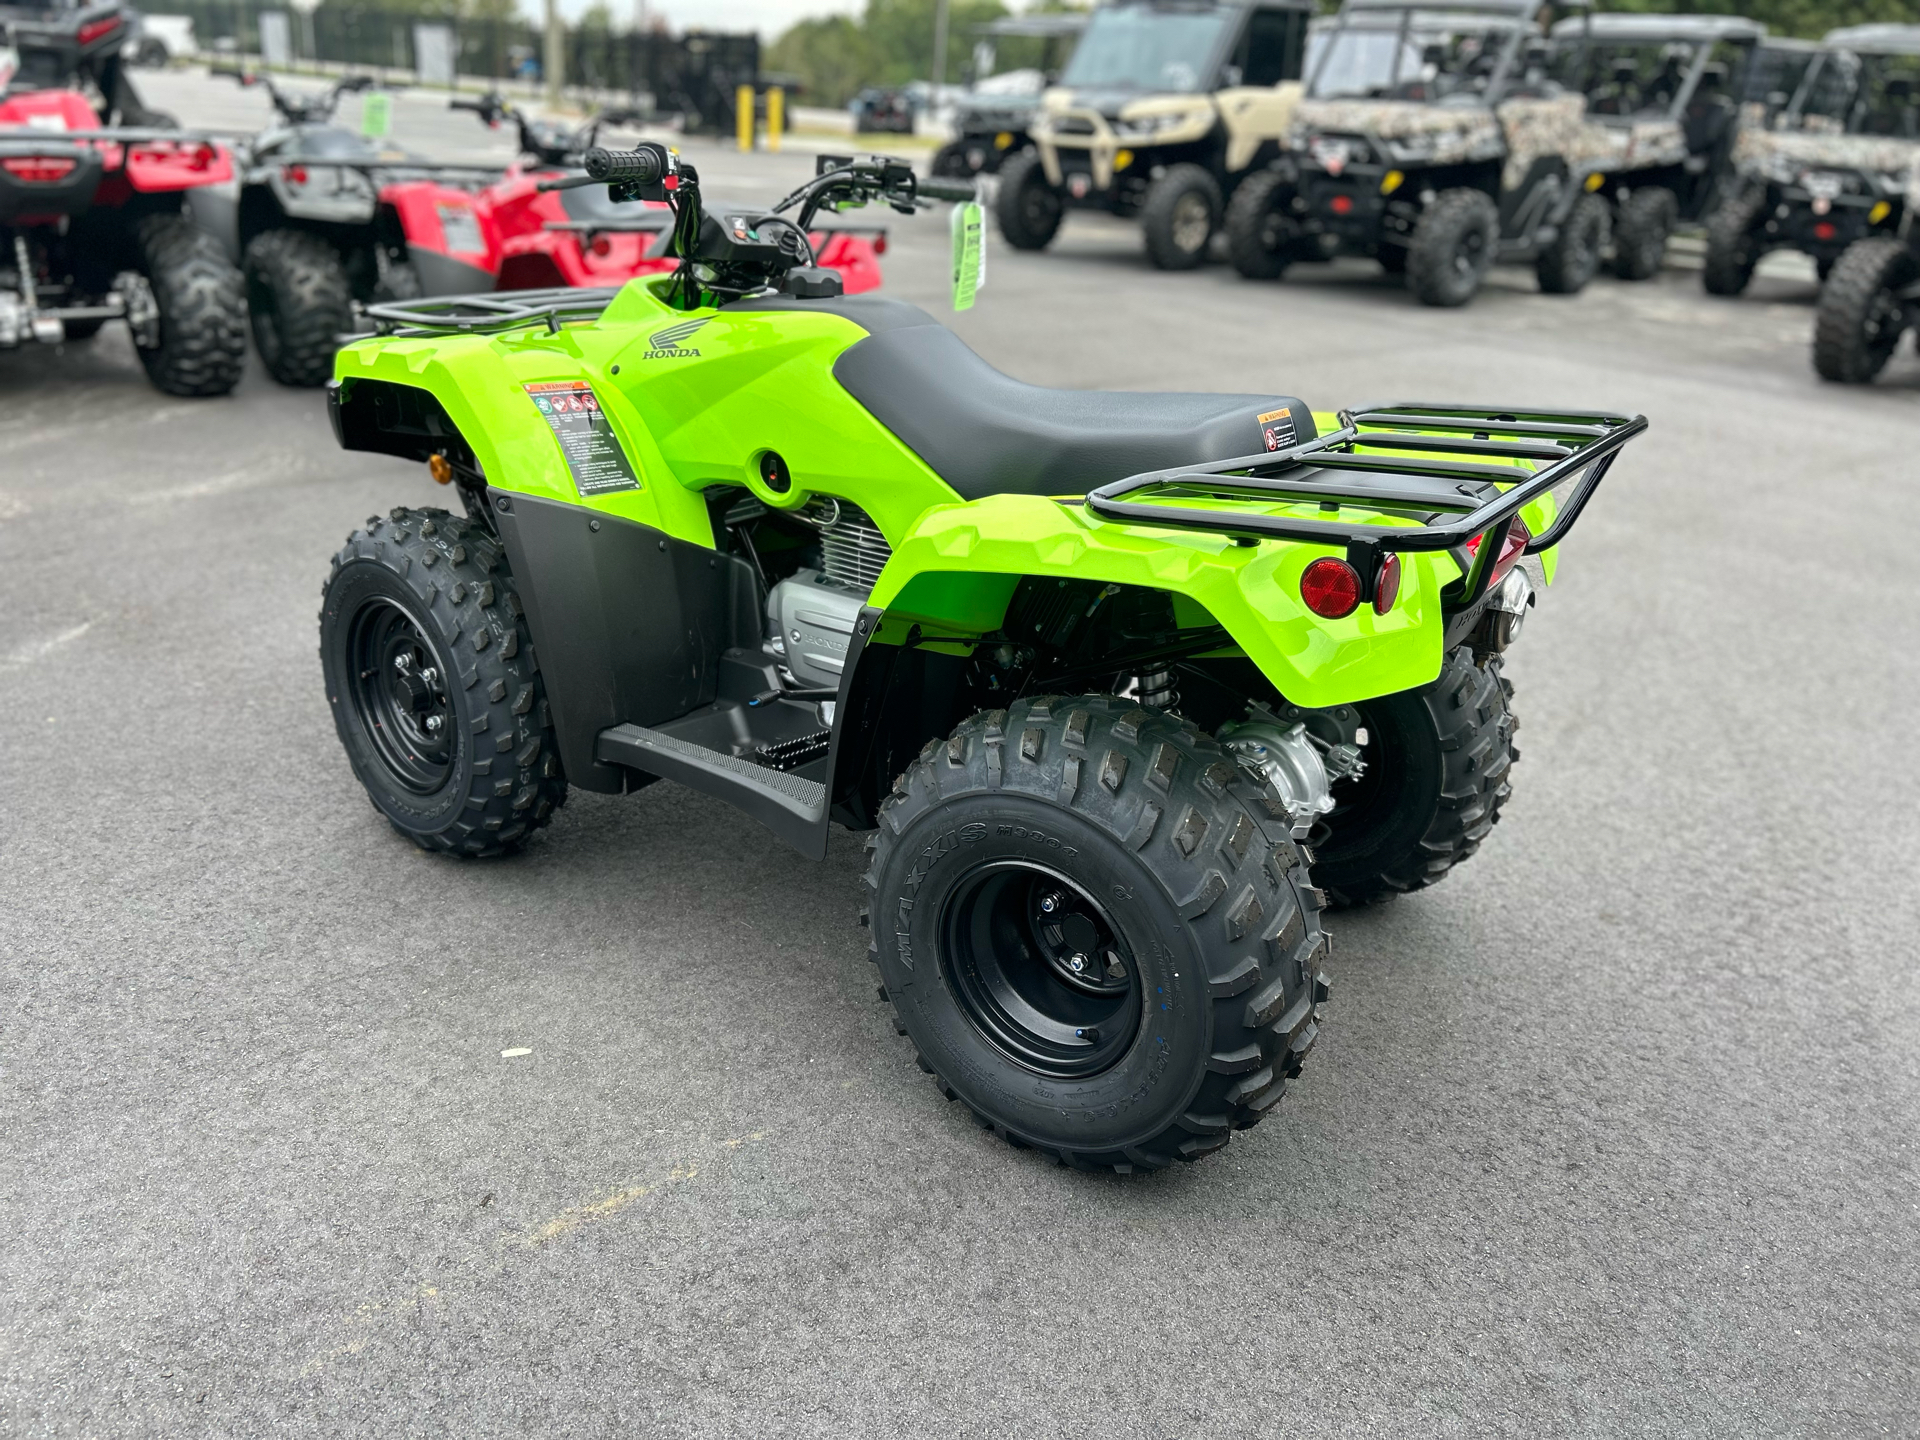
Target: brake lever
(570, 182)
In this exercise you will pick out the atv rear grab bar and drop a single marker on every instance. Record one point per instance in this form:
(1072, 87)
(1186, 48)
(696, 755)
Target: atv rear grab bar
(494, 310)
(1570, 442)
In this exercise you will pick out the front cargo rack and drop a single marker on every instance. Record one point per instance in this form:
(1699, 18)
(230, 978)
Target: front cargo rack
(497, 310)
(1445, 501)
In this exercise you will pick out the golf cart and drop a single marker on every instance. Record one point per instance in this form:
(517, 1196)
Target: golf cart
(1160, 113)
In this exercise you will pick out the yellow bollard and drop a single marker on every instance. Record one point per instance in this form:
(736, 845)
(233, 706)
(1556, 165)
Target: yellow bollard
(776, 115)
(743, 115)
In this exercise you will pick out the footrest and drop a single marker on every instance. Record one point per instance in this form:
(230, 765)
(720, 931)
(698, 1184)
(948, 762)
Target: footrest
(793, 808)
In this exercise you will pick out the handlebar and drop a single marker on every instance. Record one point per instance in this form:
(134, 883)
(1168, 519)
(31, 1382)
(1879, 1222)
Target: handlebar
(960, 192)
(639, 167)
(478, 107)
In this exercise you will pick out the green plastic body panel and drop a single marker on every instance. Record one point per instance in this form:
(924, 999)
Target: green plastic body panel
(699, 412)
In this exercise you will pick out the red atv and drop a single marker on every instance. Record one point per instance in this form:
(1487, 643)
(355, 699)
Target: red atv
(93, 218)
(544, 237)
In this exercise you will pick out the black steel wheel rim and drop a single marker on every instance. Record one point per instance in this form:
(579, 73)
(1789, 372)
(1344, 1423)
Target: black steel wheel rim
(1040, 969)
(397, 687)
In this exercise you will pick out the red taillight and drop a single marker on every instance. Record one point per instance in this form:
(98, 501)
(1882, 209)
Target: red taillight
(1824, 230)
(1386, 589)
(296, 174)
(1517, 537)
(37, 169)
(1343, 204)
(92, 32)
(879, 244)
(1331, 588)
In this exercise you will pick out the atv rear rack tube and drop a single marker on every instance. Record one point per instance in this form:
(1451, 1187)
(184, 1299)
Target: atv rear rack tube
(494, 310)
(1570, 442)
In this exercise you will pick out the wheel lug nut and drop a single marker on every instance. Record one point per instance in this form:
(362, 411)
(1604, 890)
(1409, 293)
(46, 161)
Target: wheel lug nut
(1049, 905)
(403, 662)
(434, 722)
(1079, 963)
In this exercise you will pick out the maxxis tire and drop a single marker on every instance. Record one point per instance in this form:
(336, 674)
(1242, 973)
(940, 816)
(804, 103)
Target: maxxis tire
(300, 300)
(1859, 323)
(1453, 248)
(1568, 265)
(1647, 218)
(1444, 756)
(449, 577)
(1257, 233)
(203, 309)
(1733, 250)
(1028, 209)
(1167, 217)
(1203, 884)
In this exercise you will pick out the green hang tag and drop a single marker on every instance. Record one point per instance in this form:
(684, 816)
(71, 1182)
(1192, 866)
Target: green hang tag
(376, 114)
(969, 254)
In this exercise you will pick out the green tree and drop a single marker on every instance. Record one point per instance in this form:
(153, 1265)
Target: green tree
(831, 56)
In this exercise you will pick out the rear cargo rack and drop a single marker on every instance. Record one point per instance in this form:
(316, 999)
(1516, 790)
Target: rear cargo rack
(497, 310)
(1568, 445)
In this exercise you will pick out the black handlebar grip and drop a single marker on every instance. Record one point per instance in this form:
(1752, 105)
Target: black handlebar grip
(958, 191)
(639, 166)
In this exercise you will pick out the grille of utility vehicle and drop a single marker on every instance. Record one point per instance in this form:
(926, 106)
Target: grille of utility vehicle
(852, 549)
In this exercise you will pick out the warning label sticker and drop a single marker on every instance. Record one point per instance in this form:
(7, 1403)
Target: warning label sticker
(1276, 428)
(586, 436)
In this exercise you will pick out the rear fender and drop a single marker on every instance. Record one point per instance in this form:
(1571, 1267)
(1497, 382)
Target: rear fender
(956, 572)
(159, 166)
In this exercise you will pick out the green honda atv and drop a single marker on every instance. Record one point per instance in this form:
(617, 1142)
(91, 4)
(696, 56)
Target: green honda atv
(1125, 688)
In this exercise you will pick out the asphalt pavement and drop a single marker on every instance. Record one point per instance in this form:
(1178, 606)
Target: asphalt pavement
(1612, 1133)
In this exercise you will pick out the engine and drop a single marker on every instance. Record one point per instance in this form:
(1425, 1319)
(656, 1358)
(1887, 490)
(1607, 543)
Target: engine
(811, 614)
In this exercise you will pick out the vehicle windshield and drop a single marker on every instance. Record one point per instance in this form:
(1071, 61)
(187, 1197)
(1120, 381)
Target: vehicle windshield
(1864, 95)
(1138, 47)
(1643, 77)
(1418, 59)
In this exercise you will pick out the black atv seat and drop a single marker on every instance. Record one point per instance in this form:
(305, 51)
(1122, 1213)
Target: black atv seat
(985, 433)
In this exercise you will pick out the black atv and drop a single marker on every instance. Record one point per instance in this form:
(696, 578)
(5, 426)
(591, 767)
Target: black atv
(327, 217)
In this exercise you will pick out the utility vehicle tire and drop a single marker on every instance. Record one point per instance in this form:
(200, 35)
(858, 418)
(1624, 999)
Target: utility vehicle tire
(1157, 850)
(1647, 218)
(1179, 217)
(1260, 232)
(203, 309)
(1860, 320)
(1453, 247)
(300, 300)
(1439, 761)
(1028, 208)
(419, 622)
(1733, 244)
(1567, 265)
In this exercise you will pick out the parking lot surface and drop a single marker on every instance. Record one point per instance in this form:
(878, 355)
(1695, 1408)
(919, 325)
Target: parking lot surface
(1610, 1133)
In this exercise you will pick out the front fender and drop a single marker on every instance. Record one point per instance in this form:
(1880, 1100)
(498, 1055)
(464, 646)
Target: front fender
(954, 574)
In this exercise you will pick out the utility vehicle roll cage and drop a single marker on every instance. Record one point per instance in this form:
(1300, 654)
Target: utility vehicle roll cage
(1572, 445)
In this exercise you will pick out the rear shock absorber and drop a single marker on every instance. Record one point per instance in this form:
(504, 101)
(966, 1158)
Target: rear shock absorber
(1155, 690)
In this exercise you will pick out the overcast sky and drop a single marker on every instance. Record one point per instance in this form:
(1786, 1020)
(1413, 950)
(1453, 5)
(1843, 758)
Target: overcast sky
(769, 17)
